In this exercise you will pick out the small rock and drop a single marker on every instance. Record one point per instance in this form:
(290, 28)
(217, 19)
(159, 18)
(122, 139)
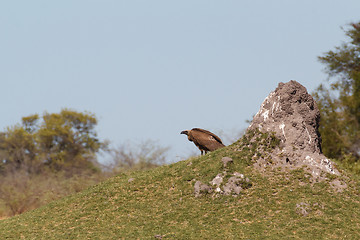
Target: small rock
(236, 174)
(217, 180)
(226, 161)
(131, 179)
(303, 208)
(233, 186)
(237, 190)
(201, 188)
(338, 185)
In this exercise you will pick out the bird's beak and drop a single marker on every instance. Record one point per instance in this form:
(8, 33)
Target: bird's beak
(184, 132)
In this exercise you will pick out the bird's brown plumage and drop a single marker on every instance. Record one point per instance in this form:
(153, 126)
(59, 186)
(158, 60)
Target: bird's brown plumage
(206, 141)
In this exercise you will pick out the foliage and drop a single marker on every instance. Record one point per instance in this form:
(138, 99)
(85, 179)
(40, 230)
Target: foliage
(340, 105)
(45, 158)
(58, 141)
(49, 157)
(21, 191)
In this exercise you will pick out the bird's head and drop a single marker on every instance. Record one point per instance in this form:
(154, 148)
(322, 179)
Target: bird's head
(186, 132)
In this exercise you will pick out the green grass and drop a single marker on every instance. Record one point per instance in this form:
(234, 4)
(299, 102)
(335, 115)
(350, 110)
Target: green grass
(162, 202)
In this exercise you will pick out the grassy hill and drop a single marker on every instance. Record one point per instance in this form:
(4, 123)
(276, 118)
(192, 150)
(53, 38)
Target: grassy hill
(160, 203)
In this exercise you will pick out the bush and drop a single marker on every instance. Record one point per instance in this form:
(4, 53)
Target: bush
(20, 191)
(141, 156)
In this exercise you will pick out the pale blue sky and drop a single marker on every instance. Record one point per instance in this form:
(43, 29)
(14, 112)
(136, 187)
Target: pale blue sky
(150, 69)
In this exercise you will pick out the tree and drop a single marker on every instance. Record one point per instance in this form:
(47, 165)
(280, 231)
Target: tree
(340, 105)
(59, 141)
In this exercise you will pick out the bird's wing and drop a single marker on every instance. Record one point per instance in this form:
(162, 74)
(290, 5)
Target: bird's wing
(205, 139)
(208, 133)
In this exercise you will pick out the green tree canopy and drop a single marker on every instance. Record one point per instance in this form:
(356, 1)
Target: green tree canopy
(340, 105)
(58, 141)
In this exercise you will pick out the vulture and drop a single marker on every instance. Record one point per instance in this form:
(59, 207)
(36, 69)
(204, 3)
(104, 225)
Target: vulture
(206, 141)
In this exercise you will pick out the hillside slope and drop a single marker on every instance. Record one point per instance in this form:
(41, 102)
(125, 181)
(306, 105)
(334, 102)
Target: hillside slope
(274, 184)
(160, 203)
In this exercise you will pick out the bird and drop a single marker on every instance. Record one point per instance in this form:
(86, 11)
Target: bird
(206, 141)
